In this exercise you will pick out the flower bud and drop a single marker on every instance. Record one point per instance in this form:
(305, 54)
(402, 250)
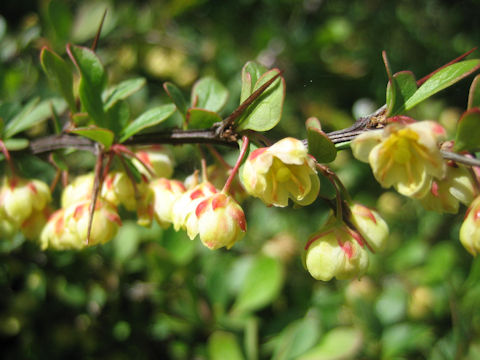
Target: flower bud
(21, 197)
(370, 225)
(79, 189)
(221, 221)
(218, 177)
(165, 193)
(183, 211)
(157, 158)
(281, 171)
(470, 229)
(336, 252)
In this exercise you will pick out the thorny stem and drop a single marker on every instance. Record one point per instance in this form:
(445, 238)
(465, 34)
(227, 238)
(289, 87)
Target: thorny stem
(233, 173)
(96, 189)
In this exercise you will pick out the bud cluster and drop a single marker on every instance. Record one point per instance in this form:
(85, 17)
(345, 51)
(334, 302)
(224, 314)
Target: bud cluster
(340, 250)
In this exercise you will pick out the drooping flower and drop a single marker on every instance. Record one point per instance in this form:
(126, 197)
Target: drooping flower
(370, 225)
(79, 189)
(458, 186)
(405, 156)
(20, 198)
(165, 193)
(336, 251)
(470, 229)
(118, 189)
(183, 211)
(221, 221)
(280, 172)
(67, 228)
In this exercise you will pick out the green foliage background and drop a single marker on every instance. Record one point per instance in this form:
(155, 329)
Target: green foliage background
(154, 294)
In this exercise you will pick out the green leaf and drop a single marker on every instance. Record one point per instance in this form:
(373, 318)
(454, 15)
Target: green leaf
(92, 81)
(33, 113)
(468, 131)
(265, 112)
(118, 116)
(209, 94)
(224, 345)
(298, 337)
(251, 72)
(61, 19)
(400, 339)
(441, 80)
(149, 118)
(319, 145)
(201, 119)
(95, 133)
(59, 74)
(261, 285)
(122, 91)
(405, 86)
(474, 94)
(339, 343)
(177, 97)
(16, 144)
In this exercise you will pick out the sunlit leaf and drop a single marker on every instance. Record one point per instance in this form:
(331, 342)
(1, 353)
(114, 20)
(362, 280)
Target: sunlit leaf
(149, 118)
(441, 80)
(201, 119)
(223, 345)
(474, 94)
(118, 116)
(177, 97)
(298, 337)
(405, 86)
(208, 93)
(319, 145)
(261, 285)
(92, 81)
(32, 114)
(100, 135)
(339, 343)
(251, 72)
(122, 91)
(265, 112)
(59, 74)
(468, 131)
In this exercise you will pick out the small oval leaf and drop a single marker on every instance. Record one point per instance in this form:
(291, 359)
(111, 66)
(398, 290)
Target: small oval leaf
(92, 81)
(201, 119)
(209, 94)
(474, 93)
(265, 112)
(468, 131)
(261, 285)
(441, 80)
(95, 133)
(59, 74)
(319, 145)
(149, 118)
(177, 97)
(122, 91)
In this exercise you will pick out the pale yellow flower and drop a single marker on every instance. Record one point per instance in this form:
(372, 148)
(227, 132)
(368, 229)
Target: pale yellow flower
(280, 172)
(404, 156)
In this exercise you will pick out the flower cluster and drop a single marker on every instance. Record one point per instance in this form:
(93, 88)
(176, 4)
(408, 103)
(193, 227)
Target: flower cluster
(408, 157)
(340, 250)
